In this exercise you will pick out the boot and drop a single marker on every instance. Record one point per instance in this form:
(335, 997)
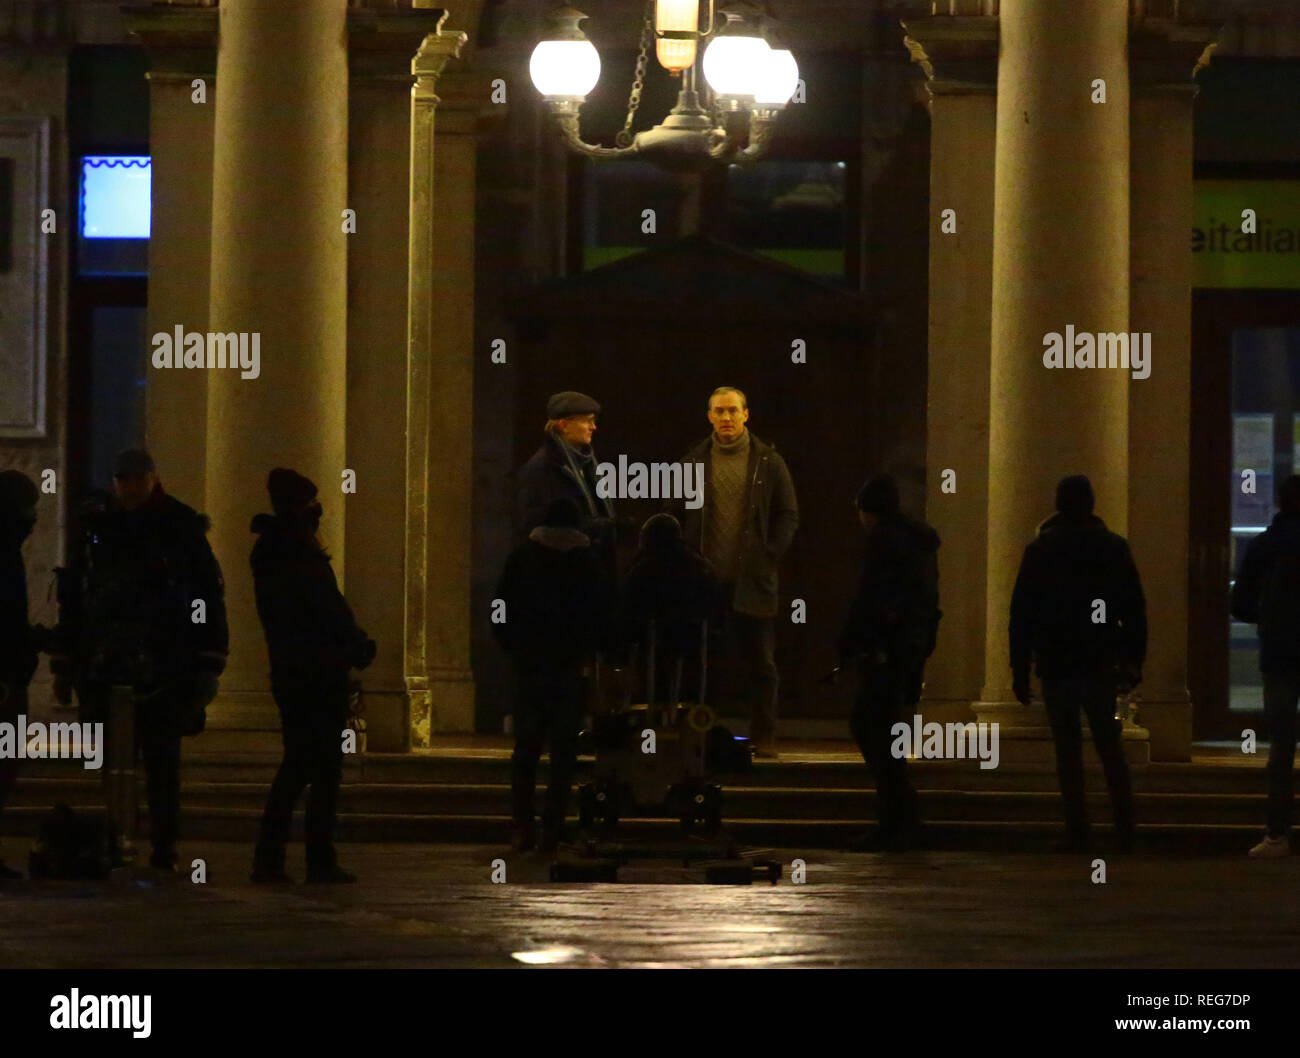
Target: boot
(525, 837)
(268, 866)
(333, 875)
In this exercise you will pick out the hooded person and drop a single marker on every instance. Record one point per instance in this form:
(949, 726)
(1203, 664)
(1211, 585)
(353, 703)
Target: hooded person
(558, 608)
(890, 631)
(18, 645)
(1084, 655)
(312, 641)
(139, 567)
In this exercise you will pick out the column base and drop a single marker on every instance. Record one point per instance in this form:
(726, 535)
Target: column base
(442, 702)
(1025, 736)
(1169, 720)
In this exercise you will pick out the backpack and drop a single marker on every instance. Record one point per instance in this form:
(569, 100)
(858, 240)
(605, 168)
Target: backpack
(69, 846)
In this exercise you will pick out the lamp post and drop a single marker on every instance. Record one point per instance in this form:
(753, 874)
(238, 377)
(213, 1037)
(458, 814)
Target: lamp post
(750, 82)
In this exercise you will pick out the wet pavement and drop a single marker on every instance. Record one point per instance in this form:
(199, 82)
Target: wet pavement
(437, 906)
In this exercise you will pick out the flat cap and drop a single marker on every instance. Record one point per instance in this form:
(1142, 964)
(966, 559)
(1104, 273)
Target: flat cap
(570, 402)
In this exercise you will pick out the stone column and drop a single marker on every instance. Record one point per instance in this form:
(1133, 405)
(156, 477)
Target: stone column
(439, 448)
(279, 271)
(1060, 258)
(182, 45)
(959, 57)
(380, 46)
(1163, 58)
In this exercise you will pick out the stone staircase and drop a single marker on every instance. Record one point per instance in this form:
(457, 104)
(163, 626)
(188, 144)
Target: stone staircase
(818, 795)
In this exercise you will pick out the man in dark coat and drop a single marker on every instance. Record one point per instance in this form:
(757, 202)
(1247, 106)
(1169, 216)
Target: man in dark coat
(142, 604)
(889, 632)
(748, 518)
(673, 585)
(559, 605)
(1077, 612)
(1267, 593)
(313, 641)
(565, 466)
(18, 646)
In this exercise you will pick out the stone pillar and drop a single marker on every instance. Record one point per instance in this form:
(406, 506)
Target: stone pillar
(1163, 58)
(439, 452)
(182, 45)
(380, 46)
(1060, 258)
(279, 271)
(959, 57)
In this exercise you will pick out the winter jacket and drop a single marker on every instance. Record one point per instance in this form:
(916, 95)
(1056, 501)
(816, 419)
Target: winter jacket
(18, 657)
(771, 518)
(559, 601)
(676, 588)
(896, 608)
(547, 476)
(1068, 570)
(1267, 593)
(127, 598)
(312, 638)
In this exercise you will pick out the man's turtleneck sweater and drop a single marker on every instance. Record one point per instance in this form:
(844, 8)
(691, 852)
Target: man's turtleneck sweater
(729, 463)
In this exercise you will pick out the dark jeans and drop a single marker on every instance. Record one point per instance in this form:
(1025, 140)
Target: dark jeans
(1094, 694)
(158, 747)
(753, 639)
(884, 697)
(1281, 691)
(312, 730)
(13, 705)
(548, 710)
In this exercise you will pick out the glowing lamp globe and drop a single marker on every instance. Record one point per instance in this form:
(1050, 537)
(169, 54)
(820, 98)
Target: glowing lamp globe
(564, 69)
(736, 65)
(780, 79)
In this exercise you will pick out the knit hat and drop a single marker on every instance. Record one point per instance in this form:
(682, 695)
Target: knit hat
(1074, 496)
(18, 493)
(878, 496)
(562, 513)
(660, 531)
(570, 402)
(289, 490)
(132, 462)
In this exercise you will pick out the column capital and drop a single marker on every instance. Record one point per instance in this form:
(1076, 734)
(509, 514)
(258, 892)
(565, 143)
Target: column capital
(181, 39)
(1165, 55)
(381, 41)
(958, 53)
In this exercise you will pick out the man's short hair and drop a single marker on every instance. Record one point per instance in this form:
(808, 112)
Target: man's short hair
(1288, 495)
(729, 389)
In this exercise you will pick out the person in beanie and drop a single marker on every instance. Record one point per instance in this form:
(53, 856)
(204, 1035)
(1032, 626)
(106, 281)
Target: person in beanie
(313, 641)
(747, 520)
(129, 611)
(1078, 613)
(889, 632)
(565, 466)
(1267, 593)
(559, 605)
(18, 643)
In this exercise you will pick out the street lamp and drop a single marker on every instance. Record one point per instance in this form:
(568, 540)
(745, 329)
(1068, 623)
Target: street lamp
(750, 82)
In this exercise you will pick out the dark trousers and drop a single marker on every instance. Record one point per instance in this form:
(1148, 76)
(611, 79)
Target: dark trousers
(157, 747)
(1094, 694)
(14, 704)
(1281, 691)
(884, 696)
(548, 710)
(753, 639)
(312, 730)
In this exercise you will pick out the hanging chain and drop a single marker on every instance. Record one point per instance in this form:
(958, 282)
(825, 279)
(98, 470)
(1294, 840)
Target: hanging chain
(624, 136)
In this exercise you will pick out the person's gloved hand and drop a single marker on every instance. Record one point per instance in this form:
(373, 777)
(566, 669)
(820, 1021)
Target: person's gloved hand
(1020, 687)
(206, 684)
(364, 653)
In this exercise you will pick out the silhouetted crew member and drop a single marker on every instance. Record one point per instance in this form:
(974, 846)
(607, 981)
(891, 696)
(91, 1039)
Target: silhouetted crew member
(673, 585)
(890, 631)
(129, 614)
(565, 465)
(1078, 613)
(1267, 593)
(313, 641)
(746, 523)
(18, 643)
(559, 605)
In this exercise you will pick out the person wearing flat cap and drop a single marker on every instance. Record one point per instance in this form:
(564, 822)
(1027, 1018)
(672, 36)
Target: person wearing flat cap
(890, 632)
(565, 467)
(313, 641)
(140, 564)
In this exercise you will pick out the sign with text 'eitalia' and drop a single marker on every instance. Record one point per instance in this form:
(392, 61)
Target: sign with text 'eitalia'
(1267, 254)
